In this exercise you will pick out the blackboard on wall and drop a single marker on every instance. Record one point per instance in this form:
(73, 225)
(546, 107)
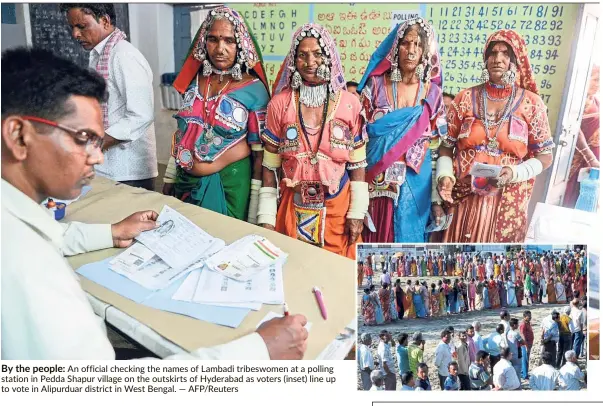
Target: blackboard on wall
(49, 30)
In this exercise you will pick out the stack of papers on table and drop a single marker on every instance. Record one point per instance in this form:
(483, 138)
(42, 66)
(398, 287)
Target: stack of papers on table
(180, 268)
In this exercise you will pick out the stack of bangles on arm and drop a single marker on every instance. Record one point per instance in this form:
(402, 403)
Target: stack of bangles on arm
(267, 203)
(585, 157)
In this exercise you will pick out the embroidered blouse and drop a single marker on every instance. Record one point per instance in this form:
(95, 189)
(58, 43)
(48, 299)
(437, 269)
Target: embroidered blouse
(523, 136)
(209, 128)
(338, 150)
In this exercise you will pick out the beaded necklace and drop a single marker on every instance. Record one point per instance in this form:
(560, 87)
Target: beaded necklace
(210, 111)
(313, 154)
(493, 144)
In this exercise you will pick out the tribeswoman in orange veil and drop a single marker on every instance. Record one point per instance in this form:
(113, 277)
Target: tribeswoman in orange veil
(501, 122)
(314, 144)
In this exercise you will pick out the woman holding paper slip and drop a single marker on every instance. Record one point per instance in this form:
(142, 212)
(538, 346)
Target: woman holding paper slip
(402, 101)
(314, 143)
(225, 94)
(502, 122)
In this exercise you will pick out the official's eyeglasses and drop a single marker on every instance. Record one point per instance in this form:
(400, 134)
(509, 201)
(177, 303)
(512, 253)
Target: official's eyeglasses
(85, 138)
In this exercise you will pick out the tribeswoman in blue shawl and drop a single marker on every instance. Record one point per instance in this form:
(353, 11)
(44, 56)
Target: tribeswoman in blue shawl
(401, 93)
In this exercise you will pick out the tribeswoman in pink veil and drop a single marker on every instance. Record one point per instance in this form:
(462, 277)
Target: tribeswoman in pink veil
(314, 142)
(401, 93)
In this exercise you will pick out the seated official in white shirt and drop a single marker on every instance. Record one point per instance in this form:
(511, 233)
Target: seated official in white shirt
(130, 145)
(51, 139)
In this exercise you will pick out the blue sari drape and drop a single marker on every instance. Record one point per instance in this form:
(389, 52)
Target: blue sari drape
(486, 298)
(400, 127)
(419, 304)
(411, 213)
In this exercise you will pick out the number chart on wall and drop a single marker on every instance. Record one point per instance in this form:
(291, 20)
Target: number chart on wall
(462, 30)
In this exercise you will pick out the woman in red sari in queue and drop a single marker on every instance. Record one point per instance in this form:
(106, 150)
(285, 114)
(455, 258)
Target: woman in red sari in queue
(314, 138)
(501, 122)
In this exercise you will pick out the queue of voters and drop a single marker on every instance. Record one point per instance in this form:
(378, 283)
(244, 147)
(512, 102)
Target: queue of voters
(315, 157)
(478, 360)
(504, 340)
(466, 283)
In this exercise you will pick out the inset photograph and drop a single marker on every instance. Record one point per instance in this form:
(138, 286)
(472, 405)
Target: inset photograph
(472, 317)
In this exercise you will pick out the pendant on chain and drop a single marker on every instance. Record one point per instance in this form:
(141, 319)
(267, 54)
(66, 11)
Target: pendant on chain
(313, 160)
(209, 134)
(493, 144)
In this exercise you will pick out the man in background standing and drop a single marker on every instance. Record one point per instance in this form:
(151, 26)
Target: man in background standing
(477, 337)
(415, 352)
(579, 322)
(386, 360)
(464, 361)
(128, 114)
(365, 360)
(545, 377)
(570, 375)
(525, 329)
(443, 357)
(505, 377)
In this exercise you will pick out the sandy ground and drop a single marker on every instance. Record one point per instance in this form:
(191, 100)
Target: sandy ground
(432, 327)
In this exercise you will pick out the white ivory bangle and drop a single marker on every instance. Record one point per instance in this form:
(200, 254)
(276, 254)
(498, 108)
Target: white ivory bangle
(170, 171)
(359, 201)
(444, 169)
(267, 206)
(526, 170)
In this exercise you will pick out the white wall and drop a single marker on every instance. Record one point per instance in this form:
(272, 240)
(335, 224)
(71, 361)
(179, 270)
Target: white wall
(152, 32)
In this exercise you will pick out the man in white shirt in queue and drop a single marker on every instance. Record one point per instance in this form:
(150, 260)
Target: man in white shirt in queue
(128, 114)
(365, 360)
(443, 357)
(386, 360)
(52, 135)
(505, 377)
(570, 375)
(545, 377)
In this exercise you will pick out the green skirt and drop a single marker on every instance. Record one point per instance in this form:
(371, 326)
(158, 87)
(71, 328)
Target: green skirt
(225, 192)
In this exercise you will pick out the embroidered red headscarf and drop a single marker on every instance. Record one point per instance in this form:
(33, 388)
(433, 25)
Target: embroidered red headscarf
(248, 53)
(525, 76)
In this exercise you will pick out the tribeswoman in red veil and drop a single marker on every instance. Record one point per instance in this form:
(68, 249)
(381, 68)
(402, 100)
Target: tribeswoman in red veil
(501, 122)
(219, 125)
